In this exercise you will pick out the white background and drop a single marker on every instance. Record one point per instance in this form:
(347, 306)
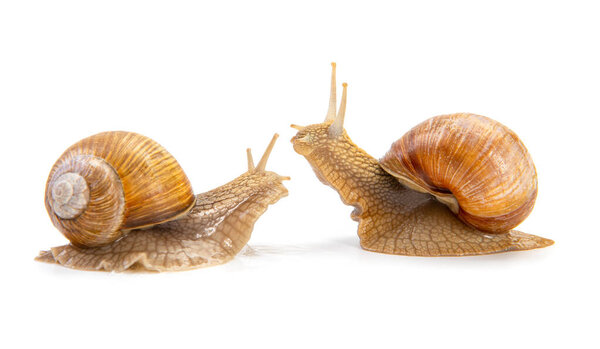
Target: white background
(208, 80)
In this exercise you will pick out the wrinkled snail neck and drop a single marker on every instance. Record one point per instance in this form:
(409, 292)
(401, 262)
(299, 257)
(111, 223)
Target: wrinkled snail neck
(341, 164)
(356, 175)
(232, 208)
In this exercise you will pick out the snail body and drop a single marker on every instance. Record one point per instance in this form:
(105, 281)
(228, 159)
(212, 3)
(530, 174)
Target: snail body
(453, 185)
(124, 203)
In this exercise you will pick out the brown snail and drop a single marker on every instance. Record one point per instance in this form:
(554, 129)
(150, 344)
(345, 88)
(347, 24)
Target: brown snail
(454, 185)
(124, 203)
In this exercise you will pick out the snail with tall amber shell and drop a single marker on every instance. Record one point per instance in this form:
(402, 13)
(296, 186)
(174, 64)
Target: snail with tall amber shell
(124, 203)
(454, 185)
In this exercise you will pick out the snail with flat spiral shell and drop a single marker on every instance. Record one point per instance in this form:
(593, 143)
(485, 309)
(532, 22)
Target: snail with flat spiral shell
(124, 203)
(454, 185)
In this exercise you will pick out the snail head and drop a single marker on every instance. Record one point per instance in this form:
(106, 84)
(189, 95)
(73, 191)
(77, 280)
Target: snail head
(326, 134)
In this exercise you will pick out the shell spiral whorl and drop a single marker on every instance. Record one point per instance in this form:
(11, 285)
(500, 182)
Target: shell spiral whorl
(112, 182)
(70, 195)
(84, 198)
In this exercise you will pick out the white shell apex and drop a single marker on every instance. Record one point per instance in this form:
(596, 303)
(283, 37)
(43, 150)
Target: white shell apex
(70, 195)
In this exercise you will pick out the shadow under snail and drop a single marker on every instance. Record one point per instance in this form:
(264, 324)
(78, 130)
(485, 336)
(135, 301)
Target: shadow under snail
(124, 203)
(454, 185)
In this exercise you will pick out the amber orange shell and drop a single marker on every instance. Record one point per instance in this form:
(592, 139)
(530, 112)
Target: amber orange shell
(133, 182)
(470, 160)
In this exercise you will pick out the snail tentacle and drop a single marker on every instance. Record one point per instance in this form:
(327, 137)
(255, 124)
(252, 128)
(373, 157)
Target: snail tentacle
(331, 112)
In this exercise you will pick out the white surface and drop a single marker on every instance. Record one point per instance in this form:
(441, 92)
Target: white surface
(207, 81)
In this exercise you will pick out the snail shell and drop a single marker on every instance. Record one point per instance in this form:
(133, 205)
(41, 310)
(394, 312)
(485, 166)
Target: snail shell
(475, 165)
(112, 182)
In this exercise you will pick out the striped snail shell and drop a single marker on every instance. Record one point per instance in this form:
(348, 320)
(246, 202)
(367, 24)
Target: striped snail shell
(112, 182)
(475, 165)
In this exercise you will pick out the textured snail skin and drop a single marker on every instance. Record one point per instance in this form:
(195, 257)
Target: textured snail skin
(392, 218)
(213, 232)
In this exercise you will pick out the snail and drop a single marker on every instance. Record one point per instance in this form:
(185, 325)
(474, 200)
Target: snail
(454, 185)
(124, 203)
